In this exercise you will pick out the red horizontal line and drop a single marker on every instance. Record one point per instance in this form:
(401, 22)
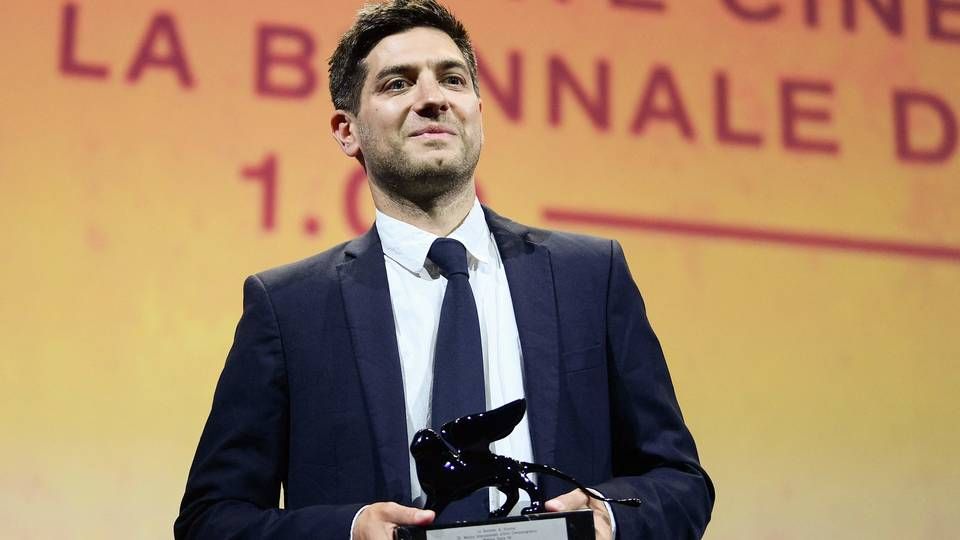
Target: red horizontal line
(754, 234)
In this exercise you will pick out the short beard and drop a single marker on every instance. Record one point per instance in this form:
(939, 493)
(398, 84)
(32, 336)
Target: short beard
(426, 185)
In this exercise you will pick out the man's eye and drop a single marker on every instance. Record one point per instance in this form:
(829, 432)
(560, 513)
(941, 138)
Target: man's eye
(455, 80)
(397, 84)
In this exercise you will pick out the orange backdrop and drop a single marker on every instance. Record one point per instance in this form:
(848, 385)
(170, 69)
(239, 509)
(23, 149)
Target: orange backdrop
(784, 176)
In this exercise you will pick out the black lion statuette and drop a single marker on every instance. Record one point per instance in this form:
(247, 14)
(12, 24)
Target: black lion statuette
(458, 461)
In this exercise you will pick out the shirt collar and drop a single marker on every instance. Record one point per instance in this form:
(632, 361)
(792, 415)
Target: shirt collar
(408, 245)
(474, 234)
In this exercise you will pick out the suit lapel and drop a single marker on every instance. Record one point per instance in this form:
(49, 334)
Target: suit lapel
(530, 278)
(366, 297)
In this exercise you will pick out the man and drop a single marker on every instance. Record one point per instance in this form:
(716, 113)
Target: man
(332, 369)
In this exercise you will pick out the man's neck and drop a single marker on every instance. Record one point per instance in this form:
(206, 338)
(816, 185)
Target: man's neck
(440, 216)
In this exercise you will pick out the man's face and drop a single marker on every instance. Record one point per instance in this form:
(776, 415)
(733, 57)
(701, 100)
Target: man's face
(419, 128)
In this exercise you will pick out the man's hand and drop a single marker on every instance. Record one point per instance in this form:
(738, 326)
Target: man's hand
(576, 500)
(377, 521)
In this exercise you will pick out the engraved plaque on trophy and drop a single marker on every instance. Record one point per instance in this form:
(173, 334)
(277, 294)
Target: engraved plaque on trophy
(553, 526)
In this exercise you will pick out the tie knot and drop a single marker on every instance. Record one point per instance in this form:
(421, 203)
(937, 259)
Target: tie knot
(450, 256)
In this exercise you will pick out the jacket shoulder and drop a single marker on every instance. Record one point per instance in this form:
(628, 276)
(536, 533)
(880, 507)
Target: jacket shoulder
(564, 245)
(312, 269)
(559, 243)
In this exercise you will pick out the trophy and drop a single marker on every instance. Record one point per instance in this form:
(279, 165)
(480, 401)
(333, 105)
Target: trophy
(457, 461)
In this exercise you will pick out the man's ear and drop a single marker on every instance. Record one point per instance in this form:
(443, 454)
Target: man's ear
(343, 128)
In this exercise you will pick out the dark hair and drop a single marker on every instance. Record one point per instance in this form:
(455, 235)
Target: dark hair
(348, 68)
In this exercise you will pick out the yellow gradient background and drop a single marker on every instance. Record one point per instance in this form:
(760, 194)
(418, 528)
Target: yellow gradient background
(821, 385)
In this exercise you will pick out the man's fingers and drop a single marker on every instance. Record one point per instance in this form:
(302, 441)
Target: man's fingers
(571, 500)
(378, 521)
(575, 500)
(405, 515)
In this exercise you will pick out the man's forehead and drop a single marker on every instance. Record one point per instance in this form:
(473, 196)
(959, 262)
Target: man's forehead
(420, 45)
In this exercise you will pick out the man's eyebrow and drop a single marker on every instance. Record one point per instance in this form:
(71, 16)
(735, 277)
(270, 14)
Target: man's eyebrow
(445, 65)
(400, 69)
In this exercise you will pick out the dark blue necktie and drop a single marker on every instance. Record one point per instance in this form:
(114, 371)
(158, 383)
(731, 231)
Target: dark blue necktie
(458, 385)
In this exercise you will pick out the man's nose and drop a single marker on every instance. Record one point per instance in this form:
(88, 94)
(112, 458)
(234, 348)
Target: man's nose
(431, 99)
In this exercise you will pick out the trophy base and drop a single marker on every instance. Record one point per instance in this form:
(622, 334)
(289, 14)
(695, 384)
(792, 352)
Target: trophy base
(547, 526)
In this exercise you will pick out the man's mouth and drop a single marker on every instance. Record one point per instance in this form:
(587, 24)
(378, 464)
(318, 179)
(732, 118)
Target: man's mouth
(433, 130)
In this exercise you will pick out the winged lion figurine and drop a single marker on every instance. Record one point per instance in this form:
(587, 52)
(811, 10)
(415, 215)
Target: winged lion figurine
(457, 461)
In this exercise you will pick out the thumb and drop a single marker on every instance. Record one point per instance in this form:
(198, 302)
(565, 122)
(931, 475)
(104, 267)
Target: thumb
(571, 500)
(405, 515)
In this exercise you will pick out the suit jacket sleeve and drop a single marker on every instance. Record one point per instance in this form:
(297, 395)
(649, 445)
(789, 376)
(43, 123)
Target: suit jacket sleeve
(654, 457)
(233, 487)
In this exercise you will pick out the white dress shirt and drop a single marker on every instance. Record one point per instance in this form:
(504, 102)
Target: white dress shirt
(416, 294)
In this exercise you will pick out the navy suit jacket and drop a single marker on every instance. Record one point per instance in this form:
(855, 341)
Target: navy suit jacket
(311, 395)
